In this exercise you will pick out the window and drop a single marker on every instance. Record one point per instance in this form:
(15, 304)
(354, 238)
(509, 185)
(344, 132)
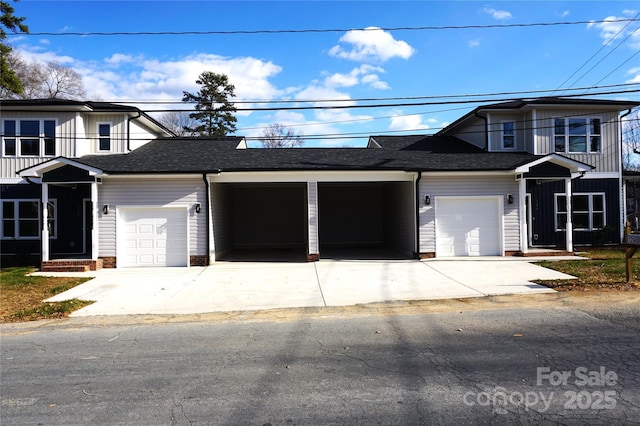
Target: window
(104, 136)
(577, 135)
(21, 219)
(29, 138)
(588, 211)
(508, 135)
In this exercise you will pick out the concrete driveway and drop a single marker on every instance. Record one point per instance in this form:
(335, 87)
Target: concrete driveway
(235, 286)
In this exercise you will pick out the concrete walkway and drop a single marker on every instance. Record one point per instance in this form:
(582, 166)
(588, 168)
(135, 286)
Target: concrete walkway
(237, 286)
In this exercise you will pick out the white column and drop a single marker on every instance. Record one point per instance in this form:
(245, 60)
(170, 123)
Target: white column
(94, 221)
(211, 250)
(312, 215)
(524, 226)
(45, 222)
(567, 185)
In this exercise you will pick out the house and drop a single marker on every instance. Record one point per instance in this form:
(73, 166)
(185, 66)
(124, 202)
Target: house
(37, 131)
(502, 180)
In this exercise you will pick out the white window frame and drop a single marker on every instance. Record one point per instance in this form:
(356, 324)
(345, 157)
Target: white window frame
(53, 230)
(567, 136)
(504, 133)
(41, 138)
(590, 211)
(99, 137)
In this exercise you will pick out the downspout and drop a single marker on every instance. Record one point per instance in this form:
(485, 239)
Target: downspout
(129, 130)
(486, 130)
(206, 210)
(418, 214)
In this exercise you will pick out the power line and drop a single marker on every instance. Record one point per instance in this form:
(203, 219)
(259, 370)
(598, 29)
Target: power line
(396, 98)
(310, 30)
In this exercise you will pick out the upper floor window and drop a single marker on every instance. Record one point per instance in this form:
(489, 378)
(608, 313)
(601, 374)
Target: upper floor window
(20, 219)
(577, 135)
(104, 137)
(588, 211)
(29, 138)
(508, 135)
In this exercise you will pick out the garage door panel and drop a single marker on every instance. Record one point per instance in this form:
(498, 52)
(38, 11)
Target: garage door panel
(153, 237)
(468, 227)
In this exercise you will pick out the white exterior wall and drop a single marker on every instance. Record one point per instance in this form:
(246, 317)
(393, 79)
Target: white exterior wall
(152, 191)
(495, 121)
(65, 137)
(138, 135)
(467, 185)
(474, 133)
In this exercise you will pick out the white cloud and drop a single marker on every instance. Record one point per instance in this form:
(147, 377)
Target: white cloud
(500, 15)
(364, 74)
(118, 58)
(611, 30)
(635, 72)
(473, 43)
(371, 45)
(408, 122)
(563, 14)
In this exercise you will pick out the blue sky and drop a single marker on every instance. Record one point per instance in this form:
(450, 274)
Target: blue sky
(344, 65)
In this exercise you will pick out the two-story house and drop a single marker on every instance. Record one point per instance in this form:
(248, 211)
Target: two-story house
(499, 181)
(35, 131)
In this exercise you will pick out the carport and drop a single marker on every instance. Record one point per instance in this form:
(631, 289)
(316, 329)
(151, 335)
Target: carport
(366, 220)
(259, 221)
(303, 216)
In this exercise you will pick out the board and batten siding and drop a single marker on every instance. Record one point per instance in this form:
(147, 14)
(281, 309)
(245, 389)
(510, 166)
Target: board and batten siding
(152, 192)
(118, 132)
(474, 133)
(606, 161)
(495, 121)
(468, 186)
(65, 140)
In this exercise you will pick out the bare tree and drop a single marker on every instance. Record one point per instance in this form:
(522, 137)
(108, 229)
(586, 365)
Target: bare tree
(179, 123)
(44, 80)
(278, 136)
(631, 140)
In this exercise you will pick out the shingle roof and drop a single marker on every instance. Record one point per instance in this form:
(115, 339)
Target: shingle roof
(175, 155)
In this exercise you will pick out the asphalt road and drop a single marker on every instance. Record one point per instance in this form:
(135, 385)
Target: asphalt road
(555, 363)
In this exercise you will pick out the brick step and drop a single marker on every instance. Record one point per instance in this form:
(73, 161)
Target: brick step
(66, 268)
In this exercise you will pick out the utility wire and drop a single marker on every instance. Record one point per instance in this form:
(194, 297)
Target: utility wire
(593, 56)
(309, 30)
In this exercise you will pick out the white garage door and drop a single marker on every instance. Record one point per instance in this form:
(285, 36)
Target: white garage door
(152, 237)
(468, 227)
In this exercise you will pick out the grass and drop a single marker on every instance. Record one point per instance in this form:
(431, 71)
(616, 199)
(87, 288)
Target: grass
(22, 296)
(604, 270)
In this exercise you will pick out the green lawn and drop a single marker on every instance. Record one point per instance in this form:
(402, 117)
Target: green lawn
(605, 269)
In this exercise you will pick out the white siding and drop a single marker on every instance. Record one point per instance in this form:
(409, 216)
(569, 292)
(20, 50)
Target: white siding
(312, 216)
(157, 191)
(469, 185)
(118, 132)
(138, 135)
(65, 137)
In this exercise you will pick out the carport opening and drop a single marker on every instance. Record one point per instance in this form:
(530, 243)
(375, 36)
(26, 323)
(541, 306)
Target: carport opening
(366, 220)
(260, 222)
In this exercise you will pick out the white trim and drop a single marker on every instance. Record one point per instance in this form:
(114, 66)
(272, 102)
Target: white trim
(55, 163)
(98, 136)
(13, 181)
(309, 176)
(590, 211)
(574, 166)
(534, 129)
(601, 175)
(470, 173)
(489, 132)
(502, 135)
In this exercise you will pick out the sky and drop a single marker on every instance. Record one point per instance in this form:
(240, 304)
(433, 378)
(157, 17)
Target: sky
(435, 53)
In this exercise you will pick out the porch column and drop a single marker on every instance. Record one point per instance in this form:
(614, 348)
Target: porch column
(45, 222)
(569, 228)
(94, 221)
(312, 217)
(524, 226)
